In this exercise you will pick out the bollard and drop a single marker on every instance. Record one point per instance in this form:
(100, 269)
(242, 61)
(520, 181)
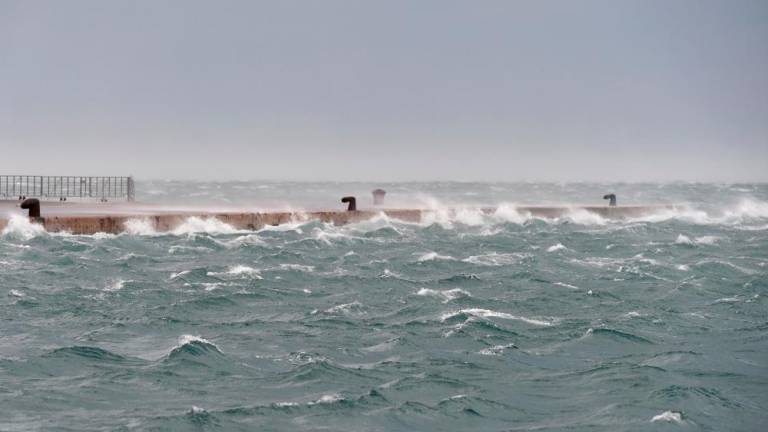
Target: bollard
(33, 204)
(352, 203)
(378, 196)
(612, 198)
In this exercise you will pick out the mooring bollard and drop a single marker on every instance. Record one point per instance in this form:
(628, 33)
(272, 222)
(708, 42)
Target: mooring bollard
(33, 204)
(352, 203)
(612, 198)
(378, 196)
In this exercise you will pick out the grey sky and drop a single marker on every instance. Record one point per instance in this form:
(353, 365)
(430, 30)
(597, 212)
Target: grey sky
(387, 90)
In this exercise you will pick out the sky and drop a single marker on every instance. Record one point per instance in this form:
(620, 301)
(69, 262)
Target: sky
(386, 90)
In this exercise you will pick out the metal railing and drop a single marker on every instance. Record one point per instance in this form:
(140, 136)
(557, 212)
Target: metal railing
(61, 187)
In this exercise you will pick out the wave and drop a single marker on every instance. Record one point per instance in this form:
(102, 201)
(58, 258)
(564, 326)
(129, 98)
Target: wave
(746, 210)
(486, 313)
(446, 295)
(496, 349)
(668, 416)
(617, 334)
(193, 345)
(295, 226)
(141, 226)
(239, 270)
(243, 241)
(565, 285)
(190, 225)
(20, 228)
(328, 399)
(205, 225)
(497, 259)
(434, 256)
(297, 267)
(447, 217)
(557, 247)
(117, 285)
(703, 240)
(348, 309)
(88, 353)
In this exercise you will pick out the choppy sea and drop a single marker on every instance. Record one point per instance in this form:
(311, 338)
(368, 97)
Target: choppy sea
(466, 321)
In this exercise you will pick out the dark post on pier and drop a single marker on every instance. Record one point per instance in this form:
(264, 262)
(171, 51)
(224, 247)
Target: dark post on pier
(19, 187)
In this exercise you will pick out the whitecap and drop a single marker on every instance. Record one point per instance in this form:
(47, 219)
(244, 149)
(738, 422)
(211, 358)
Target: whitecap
(178, 248)
(117, 285)
(446, 295)
(329, 233)
(354, 308)
(197, 410)
(298, 267)
(497, 259)
(556, 247)
(496, 350)
(179, 274)
(188, 339)
(295, 226)
(668, 416)
(486, 313)
(328, 399)
(728, 300)
(389, 274)
(703, 240)
(239, 270)
(707, 240)
(434, 256)
(210, 286)
(244, 240)
(563, 284)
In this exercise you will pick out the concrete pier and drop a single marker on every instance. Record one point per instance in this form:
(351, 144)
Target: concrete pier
(79, 218)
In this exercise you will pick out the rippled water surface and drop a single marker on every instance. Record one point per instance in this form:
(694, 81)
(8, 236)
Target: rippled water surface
(464, 322)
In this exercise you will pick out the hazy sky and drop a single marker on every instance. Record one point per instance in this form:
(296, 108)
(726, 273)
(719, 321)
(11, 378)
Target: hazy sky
(386, 90)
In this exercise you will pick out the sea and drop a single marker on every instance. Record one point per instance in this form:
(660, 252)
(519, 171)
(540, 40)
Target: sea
(467, 321)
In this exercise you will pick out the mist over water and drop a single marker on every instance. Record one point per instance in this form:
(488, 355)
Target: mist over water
(464, 321)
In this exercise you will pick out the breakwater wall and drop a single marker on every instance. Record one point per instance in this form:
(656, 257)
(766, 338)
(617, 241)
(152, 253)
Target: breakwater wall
(168, 221)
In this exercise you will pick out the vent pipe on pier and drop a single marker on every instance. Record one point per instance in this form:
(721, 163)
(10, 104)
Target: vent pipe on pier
(612, 198)
(352, 203)
(33, 204)
(378, 196)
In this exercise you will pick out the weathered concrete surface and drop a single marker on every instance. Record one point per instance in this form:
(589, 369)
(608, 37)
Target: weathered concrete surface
(91, 219)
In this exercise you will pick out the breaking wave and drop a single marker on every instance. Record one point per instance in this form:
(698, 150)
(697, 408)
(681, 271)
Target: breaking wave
(204, 225)
(20, 228)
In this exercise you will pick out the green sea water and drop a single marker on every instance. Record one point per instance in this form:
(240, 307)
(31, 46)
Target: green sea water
(465, 321)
